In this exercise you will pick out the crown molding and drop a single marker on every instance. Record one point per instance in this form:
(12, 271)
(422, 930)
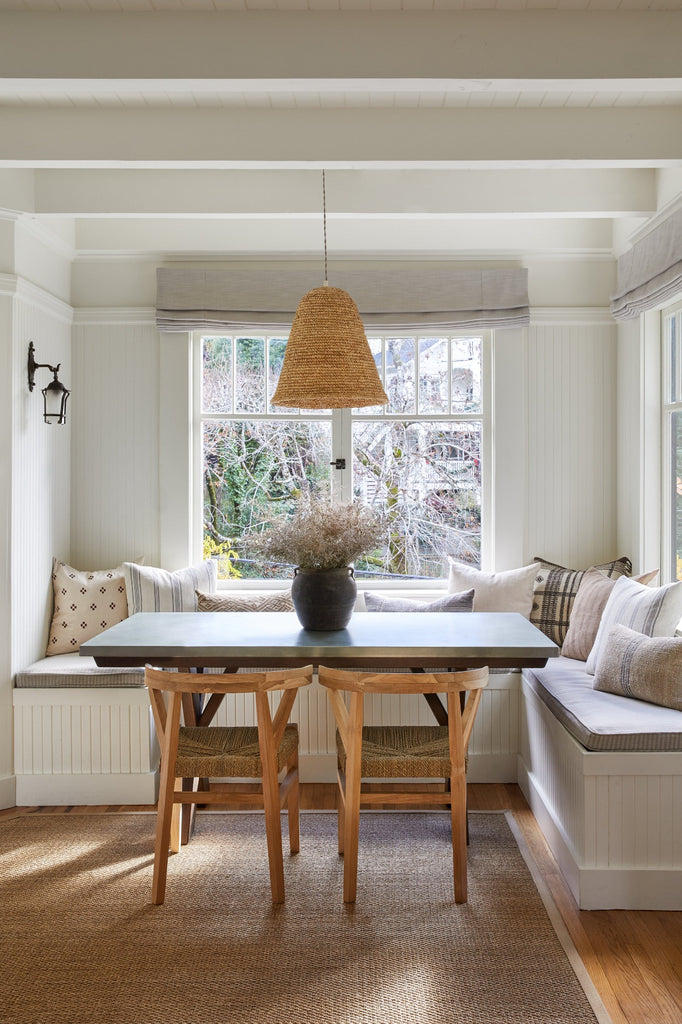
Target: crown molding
(25, 291)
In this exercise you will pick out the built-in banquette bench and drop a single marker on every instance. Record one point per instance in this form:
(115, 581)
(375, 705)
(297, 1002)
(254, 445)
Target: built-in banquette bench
(602, 772)
(83, 734)
(603, 776)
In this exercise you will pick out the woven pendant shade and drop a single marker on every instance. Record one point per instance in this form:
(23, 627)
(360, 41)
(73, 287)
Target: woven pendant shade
(327, 361)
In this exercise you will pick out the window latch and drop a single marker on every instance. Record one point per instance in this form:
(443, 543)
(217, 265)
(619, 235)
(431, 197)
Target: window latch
(338, 463)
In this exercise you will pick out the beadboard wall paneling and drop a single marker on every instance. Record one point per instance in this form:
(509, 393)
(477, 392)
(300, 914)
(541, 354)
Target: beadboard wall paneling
(115, 461)
(40, 473)
(6, 433)
(571, 452)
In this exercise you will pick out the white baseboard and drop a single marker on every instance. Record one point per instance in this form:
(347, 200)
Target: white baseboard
(57, 790)
(8, 790)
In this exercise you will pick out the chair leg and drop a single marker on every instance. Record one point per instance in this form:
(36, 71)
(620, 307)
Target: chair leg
(176, 821)
(458, 796)
(273, 827)
(340, 810)
(293, 808)
(352, 808)
(166, 803)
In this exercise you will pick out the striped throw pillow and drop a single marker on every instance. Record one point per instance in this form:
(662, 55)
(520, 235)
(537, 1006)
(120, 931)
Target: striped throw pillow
(644, 667)
(149, 589)
(654, 611)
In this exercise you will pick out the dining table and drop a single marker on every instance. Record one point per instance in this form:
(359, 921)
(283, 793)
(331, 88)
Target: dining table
(387, 641)
(392, 640)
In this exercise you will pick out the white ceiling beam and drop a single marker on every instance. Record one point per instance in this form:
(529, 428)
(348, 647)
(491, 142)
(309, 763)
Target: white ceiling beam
(380, 236)
(406, 194)
(343, 45)
(359, 138)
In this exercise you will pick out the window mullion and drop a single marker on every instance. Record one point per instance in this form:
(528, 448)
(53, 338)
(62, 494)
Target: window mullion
(342, 448)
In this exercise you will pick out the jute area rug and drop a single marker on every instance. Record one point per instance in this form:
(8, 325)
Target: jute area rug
(81, 942)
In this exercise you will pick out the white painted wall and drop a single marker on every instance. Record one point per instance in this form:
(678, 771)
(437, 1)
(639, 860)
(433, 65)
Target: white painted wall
(115, 467)
(35, 466)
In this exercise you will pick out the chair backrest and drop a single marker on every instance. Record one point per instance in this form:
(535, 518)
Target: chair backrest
(231, 682)
(357, 684)
(183, 686)
(404, 682)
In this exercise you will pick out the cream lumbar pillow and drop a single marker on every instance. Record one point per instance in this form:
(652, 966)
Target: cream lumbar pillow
(463, 602)
(223, 602)
(647, 668)
(588, 606)
(654, 611)
(85, 604)
(510, 591)
(149, 589)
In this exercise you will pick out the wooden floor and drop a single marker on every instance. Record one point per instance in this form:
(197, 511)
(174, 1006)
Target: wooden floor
(634, 958)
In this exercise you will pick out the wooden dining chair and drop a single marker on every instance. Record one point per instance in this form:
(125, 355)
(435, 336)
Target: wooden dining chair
(402, 752)
(204, 752)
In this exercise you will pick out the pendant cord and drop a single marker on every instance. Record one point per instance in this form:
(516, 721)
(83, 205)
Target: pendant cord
(324, 225)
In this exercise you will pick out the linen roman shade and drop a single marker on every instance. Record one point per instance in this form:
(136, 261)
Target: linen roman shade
(650, 273)
(390, 296)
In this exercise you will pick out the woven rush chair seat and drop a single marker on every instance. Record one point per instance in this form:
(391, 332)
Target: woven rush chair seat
(402, 752)
(213, 752)
(197, 751)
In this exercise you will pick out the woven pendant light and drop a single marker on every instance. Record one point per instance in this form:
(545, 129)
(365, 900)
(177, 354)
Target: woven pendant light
(327, 361)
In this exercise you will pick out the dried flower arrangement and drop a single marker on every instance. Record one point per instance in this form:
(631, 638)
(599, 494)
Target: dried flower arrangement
(320, 535)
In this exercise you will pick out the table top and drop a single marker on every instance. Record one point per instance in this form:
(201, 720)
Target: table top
(395, 639)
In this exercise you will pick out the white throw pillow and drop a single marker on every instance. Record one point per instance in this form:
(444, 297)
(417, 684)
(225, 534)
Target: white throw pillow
(85, 604)
(654, 611)
(463, 602)
(155, 590)
(510, 591)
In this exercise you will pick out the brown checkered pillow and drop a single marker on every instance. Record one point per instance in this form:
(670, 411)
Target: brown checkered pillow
(554, 592)
(85, 604)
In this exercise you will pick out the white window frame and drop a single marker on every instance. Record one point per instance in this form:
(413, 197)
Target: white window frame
(668, 407)
(342, 421)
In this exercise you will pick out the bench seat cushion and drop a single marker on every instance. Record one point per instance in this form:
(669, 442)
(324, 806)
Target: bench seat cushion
(602, 721)
(69, 670)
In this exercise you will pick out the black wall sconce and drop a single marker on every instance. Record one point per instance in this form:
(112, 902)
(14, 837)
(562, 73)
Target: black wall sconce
(55, 395)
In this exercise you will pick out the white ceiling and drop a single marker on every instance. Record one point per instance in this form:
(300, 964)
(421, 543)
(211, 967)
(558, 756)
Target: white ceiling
(486, 129)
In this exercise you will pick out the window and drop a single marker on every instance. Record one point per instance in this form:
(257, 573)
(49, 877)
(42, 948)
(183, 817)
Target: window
(419, 460)
(672, 406)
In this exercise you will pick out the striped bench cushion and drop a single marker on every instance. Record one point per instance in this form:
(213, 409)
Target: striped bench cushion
(602, 721)
(72, 670)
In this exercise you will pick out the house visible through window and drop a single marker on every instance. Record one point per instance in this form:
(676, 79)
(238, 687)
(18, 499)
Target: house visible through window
(418, 460)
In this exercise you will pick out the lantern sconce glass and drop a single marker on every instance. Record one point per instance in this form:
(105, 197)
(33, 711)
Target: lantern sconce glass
(55, 395)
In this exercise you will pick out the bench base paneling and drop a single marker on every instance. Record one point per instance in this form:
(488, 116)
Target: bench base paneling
(612, 820)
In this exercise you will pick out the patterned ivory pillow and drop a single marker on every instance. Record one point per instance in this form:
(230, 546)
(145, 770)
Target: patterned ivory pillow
(222, 602)
(590, 601)
(509, 591)
(555, 589)
(155, 590)
(463, 602)
(654, 611)
(85, 604)
(645, 667)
